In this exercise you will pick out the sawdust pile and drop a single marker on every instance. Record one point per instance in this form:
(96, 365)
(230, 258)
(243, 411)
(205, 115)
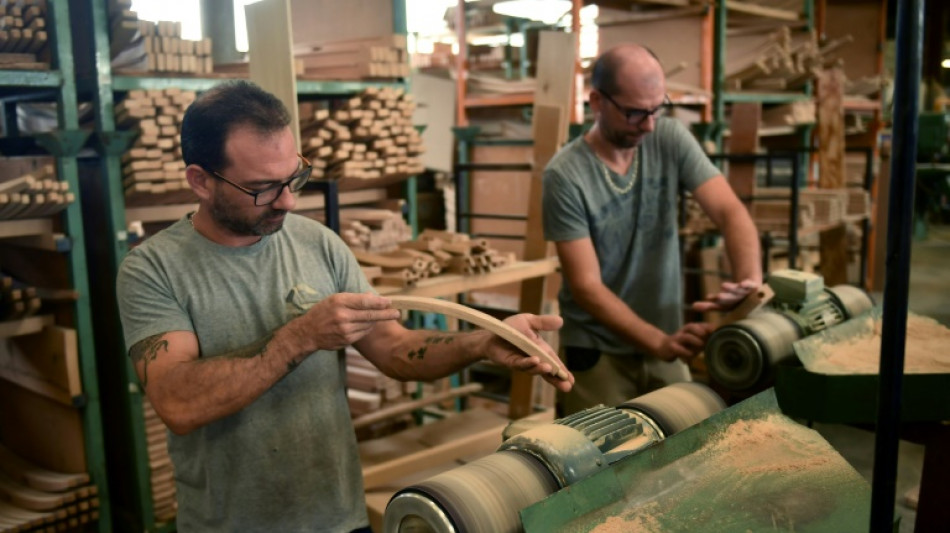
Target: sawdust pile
(770, 473)
(927, 350)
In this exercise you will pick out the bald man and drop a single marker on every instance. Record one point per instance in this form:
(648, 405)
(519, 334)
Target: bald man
(610, 205)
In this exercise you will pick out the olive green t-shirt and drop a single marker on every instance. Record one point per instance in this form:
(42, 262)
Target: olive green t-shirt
(288, 461)
(634, 233)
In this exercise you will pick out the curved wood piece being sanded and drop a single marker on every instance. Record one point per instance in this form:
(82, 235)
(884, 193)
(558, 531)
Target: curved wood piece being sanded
(477, 318)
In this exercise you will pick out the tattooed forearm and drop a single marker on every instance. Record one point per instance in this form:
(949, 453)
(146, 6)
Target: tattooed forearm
(147, 350)
(257, 348)
(419, 353)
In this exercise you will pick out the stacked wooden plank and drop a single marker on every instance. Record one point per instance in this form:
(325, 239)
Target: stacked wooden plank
(372, 58)
(783, 63)
(162, 475)
(153, 165)
(368, 136)
(433, 253)
(33, 498)
(368, 389)
(166, 51)
(373, 230)
(17, 300)
(23, 34)
(38, 194)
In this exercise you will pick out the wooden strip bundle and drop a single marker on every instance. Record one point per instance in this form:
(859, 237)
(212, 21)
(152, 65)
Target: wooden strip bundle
(37, 194)
(162, 480)
(784, 63)
(368, 136)
(23, 35)
(380, 57)
(153, 164)
(165, 49)
(17, 300)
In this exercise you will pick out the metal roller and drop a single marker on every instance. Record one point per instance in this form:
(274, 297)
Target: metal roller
(535, 462)
(678, 406)
(743, 355)
(484, 495)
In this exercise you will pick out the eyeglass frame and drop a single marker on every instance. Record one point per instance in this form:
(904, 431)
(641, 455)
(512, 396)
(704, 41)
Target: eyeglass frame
(629, 112)
(308, 169)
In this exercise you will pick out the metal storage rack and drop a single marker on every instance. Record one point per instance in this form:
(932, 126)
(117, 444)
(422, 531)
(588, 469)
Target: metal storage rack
(64, 144)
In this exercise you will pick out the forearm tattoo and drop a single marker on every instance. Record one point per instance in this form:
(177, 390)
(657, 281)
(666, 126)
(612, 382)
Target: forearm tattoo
(147, 350)
(419, 353)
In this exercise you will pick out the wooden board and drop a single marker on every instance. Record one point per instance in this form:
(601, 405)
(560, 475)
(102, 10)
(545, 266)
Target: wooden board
(46, 363)
(270, 43)
(831, 139)
(744, 139)
(481, 320)
(48, 433)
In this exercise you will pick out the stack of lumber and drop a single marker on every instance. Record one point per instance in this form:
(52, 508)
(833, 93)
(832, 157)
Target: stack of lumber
(38, 194)
(782, 63)
(33, 498)
(153, 165)
(166, 51)
(17, 300)
(368, 389)
(368, 136)
(434, 252)
(818, 207)
(22, 34)
(371, 58)
(162, 475)
(373, 230)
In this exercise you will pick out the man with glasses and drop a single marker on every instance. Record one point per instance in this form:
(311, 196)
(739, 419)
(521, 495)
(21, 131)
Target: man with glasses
(610, 207)
(234, 317)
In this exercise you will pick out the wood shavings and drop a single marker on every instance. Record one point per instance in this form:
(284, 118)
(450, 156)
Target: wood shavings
(926, 350)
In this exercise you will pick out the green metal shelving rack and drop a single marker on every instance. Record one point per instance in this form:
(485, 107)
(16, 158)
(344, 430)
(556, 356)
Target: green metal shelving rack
(64, 144)
(105, 216)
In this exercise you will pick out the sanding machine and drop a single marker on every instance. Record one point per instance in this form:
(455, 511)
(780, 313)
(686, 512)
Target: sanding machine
(743, 355)
(540, 459)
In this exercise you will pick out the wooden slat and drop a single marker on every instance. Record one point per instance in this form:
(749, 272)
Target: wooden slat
(46, 363)
(481, 320)
(271, 59)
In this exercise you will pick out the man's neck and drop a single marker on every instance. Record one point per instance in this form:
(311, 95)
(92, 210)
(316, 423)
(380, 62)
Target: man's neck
(617, 159)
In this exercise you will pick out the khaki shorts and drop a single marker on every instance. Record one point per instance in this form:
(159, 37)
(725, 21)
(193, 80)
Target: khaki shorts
(610, 379)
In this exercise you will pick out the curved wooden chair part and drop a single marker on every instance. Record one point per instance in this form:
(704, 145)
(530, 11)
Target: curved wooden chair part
(477, 318)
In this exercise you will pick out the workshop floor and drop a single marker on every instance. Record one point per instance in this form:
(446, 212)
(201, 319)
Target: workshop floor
(929, 290)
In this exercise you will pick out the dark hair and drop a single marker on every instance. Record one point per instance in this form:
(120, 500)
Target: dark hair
(603, 75)
(218, 112)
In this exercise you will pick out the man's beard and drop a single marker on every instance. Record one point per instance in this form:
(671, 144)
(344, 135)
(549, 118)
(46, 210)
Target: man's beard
(620, 139)
(264, 224)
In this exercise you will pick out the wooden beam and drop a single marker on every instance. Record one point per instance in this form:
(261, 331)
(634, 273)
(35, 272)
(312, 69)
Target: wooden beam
(271, 57)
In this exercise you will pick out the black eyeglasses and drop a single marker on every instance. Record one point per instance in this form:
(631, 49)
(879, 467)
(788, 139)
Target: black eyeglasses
(271, 194)
(635, 116)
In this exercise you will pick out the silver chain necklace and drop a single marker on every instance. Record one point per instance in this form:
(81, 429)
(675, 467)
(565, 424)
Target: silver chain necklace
(633, 176)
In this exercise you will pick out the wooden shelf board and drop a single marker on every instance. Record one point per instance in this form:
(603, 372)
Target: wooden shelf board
(26, 326)
(25, 227)
(450, 284)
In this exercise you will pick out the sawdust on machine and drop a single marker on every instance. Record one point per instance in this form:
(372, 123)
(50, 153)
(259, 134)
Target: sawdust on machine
(925, 351)
(771, 473)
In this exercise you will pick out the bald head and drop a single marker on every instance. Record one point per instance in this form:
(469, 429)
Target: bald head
(627, 67)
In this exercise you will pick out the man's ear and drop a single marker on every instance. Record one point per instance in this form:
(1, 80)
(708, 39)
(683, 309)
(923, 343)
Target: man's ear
(198, 180)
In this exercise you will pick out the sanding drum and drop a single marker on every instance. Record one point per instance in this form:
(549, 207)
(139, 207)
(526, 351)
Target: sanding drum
(742, 356)
(489, 493)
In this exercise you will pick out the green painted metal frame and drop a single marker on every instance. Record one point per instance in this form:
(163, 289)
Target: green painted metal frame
(64, 144)
(585, 504)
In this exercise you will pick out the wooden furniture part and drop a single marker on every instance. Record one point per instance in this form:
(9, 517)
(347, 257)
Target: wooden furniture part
(270, 44)
(834, 242)
(482, 320)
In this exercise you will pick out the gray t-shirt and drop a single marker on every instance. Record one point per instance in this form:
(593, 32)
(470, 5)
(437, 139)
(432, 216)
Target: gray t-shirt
(634, 234)
(289, 461)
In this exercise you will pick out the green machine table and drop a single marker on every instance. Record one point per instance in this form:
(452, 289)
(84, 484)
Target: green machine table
(748, 468)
